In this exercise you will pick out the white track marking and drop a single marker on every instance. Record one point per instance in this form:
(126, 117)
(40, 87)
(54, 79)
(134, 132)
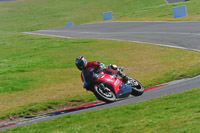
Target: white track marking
(45, 34)
(116, 33)
(178, 47)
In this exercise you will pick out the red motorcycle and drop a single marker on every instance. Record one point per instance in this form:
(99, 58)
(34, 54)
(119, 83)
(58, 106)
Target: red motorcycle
(109, 88)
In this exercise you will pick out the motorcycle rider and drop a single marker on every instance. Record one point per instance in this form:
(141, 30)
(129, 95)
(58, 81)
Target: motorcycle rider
(95, 67)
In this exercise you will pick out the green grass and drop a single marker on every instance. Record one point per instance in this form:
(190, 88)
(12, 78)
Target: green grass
(28, 15)
(44, 70)
(38, 72)
(176, 113)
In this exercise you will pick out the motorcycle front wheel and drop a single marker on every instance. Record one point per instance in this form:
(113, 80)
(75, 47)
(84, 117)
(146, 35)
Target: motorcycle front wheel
(104, 94)
(137, 88)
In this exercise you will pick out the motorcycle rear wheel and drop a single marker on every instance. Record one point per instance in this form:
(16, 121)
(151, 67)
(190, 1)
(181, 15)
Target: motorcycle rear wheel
(104, 94)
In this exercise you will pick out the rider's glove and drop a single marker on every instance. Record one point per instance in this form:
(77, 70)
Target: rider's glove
(100, 68)
(125, 79)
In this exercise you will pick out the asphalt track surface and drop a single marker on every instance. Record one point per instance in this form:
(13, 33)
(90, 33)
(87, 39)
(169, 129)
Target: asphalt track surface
(185, 35)
(150, 93)
(174, 1)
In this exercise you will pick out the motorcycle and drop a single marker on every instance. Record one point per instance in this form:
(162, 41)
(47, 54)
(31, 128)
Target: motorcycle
(108, 87)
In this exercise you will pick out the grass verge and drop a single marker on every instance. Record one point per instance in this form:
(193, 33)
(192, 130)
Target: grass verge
(42, 69)
(37, 72)
(176, 113)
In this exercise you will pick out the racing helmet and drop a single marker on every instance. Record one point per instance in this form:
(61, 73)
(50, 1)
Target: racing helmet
(81, 62)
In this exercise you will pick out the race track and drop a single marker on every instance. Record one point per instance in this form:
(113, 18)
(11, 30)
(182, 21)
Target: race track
(185, 35)
(150, 93)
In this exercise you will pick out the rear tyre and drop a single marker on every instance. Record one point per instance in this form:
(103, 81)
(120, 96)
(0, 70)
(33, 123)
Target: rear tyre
(104, 94)
(137, 88)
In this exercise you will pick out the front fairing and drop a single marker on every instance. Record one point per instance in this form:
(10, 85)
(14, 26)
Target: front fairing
(119, 88)
(110, 80)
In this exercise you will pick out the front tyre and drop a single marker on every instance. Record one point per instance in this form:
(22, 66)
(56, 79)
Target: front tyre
(104, 93)
(137, 88)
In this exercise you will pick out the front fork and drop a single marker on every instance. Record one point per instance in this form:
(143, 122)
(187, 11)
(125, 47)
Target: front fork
(132, 82)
